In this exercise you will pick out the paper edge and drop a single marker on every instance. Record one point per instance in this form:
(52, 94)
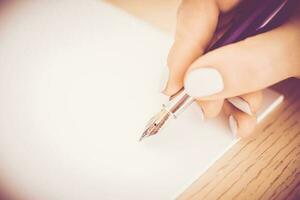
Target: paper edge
(277, 100)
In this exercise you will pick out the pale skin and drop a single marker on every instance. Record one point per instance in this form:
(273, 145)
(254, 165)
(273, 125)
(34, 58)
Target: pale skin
(247, 67)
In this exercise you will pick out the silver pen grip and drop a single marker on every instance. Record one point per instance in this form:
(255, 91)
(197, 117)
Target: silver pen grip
(178, 103)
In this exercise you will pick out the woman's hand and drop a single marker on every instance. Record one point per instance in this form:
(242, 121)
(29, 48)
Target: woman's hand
(238, 70)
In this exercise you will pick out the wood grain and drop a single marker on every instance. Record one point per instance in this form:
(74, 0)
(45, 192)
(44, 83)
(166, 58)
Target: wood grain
(266, 166)
(263, 167)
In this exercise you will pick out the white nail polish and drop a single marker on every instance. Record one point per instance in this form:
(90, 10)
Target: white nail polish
(164, 79)
(165, 98)
(201, 112)
(241, 104)
(233, 126)
(203, 82)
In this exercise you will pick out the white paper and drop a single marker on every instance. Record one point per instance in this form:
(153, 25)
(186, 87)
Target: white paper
(78, 81)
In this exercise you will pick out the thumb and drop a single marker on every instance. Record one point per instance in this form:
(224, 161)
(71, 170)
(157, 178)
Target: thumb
(244, 67)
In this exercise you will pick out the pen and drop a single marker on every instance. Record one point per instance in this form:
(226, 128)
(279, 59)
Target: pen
(256, 16)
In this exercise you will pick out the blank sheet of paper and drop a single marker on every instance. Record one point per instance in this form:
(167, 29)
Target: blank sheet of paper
(78, 81)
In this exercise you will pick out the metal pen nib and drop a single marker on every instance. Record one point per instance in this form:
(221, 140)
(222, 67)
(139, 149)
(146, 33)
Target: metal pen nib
(173, 108)
(143, 135)
(155, 124)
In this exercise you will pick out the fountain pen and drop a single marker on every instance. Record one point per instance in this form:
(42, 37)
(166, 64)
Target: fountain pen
(255, 16)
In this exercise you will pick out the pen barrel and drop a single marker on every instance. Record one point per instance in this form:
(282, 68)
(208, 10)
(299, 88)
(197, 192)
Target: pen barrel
(254, 17)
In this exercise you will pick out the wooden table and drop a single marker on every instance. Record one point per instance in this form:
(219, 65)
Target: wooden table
(266, 166)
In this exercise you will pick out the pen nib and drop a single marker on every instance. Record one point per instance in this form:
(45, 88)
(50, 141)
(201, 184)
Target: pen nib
(143, 135)
(155, 124)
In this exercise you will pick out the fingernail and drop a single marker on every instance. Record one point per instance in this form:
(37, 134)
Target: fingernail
(201, 112)
(164, 98)
(233, 126)
(164, 79)
(203, 82)
(241, 104)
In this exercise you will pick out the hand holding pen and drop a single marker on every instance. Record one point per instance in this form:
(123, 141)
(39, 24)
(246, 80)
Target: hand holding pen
(235, 72)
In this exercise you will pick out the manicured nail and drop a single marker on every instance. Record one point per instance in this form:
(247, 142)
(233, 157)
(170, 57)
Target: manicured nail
(203, 82)
(241, 104)
(233, 126)
(201, 112)
(164, 98)
(164, 79)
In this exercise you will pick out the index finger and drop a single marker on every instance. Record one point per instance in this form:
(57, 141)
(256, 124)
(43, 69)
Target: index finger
(196, 24)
